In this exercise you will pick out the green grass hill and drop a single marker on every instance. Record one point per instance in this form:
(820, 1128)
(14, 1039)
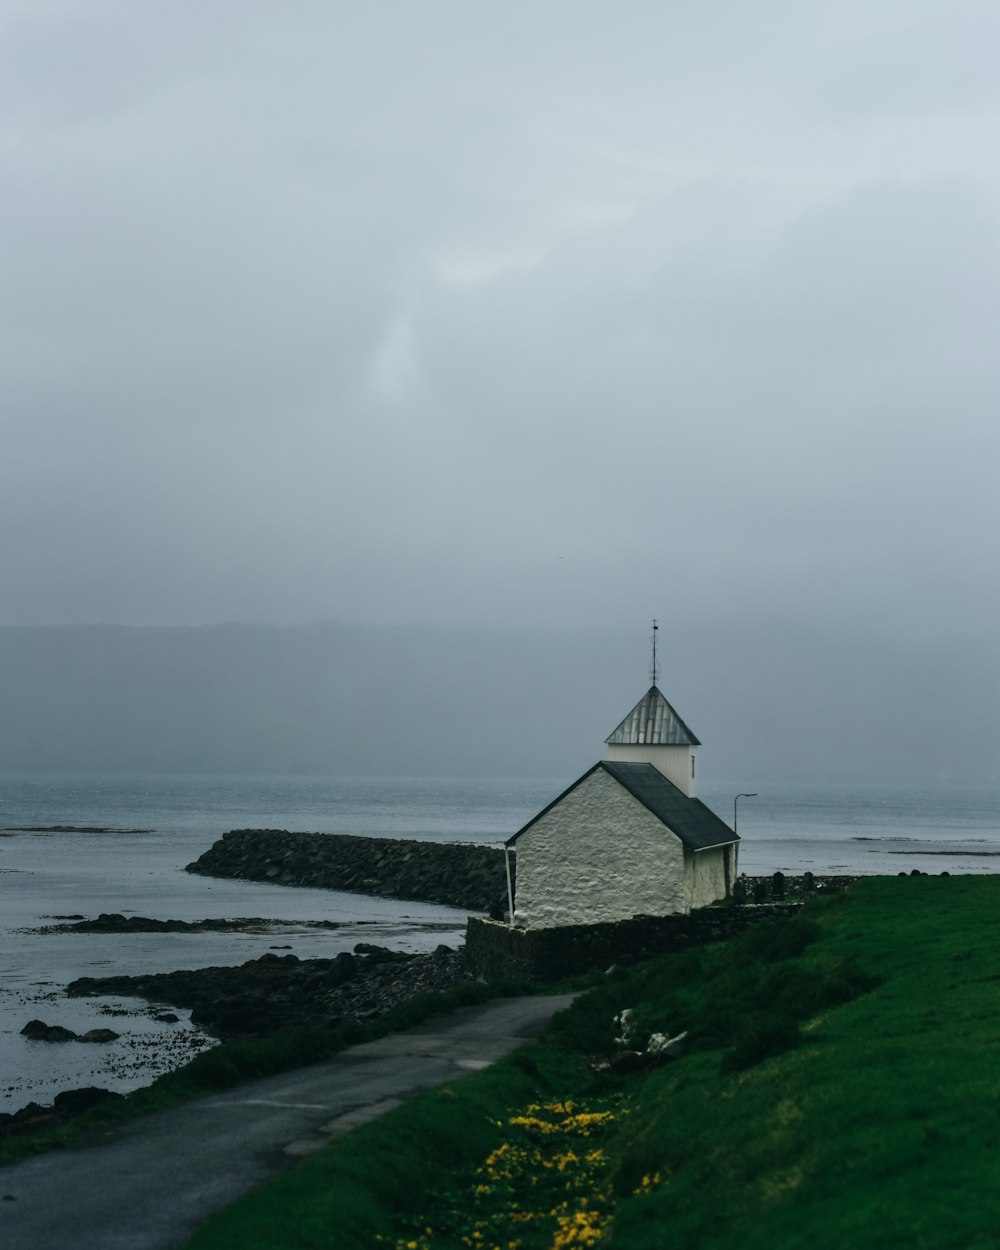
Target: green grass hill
(840, 1088)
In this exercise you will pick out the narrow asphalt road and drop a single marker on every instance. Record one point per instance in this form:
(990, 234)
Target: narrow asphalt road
(148, 1184)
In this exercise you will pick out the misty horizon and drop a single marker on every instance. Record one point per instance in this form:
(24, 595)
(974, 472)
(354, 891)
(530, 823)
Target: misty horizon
(349, 701)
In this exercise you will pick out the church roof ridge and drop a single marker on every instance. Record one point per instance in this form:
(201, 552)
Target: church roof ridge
(652, 722)
(697, 826)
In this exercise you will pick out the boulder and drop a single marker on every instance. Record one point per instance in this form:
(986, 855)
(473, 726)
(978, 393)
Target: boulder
(69, 1103)
(663, 1047)
(378, 954)
(626, 1026)
(76, 1101)
(39, 1031)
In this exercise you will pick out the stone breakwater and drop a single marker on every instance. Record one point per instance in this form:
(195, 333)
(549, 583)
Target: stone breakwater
(454, 874)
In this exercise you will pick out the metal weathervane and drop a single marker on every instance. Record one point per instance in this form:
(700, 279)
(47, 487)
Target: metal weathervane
(654, 668)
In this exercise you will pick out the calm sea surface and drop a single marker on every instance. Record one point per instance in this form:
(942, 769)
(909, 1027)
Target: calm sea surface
(157, 824)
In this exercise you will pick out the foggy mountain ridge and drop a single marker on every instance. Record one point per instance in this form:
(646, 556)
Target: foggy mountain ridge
(768, 703)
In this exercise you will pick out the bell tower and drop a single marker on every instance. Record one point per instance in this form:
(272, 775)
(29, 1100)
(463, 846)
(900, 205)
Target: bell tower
(653, 733)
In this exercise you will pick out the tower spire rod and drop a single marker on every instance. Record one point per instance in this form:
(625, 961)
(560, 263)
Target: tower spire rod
(654, 670)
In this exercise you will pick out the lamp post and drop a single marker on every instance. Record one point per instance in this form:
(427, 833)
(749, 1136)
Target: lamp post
(744, 795)
(736, 809)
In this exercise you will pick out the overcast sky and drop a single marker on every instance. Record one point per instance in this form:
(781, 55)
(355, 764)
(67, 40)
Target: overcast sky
(560, 312)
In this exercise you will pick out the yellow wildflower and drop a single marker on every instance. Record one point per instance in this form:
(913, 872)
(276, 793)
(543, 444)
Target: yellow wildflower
(648, 1183)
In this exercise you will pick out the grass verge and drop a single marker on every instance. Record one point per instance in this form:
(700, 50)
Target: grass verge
(841, 1089)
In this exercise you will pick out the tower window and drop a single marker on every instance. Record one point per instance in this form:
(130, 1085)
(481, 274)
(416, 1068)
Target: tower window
(692, 766)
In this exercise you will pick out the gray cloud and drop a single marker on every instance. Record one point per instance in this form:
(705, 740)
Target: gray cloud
(497, 313)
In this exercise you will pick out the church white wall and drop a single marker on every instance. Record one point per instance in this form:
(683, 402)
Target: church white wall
(673, 762)
(599, 855)
(705, 876)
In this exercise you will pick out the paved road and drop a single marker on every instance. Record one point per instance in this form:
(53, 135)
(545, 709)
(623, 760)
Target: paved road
(148, 1184)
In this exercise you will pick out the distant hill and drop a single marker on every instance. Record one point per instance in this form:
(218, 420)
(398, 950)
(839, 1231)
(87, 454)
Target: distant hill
(343, 700)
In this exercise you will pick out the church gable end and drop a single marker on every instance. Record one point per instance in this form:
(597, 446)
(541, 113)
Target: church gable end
(597, 853)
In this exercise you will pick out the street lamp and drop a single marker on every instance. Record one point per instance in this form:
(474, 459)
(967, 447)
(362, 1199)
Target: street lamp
(746, 795)
(736, 809)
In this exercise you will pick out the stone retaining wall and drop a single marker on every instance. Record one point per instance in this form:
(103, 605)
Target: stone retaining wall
(494, 951)
(454, 874)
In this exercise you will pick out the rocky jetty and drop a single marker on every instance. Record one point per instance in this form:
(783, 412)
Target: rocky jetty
(114, 922)
(68, 829)
(264, 994)
(455, 874)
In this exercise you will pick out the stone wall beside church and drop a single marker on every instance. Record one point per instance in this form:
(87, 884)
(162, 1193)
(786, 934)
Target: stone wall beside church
(495, 952)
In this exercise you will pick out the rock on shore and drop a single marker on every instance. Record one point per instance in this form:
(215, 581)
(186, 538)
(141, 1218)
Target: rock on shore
(454, 874)
(39, 1031)
(264, 994)
(71, 1102)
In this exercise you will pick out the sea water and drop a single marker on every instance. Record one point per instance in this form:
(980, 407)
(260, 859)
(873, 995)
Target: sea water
(82, 845)
(126, 840)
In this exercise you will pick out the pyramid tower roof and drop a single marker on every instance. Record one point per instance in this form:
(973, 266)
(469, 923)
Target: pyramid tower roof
(652, 722)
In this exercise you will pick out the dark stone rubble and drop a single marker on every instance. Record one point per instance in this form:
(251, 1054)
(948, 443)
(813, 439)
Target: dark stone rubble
(263, 994)
(71, 1102)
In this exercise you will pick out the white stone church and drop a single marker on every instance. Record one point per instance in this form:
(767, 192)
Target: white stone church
(630, 837)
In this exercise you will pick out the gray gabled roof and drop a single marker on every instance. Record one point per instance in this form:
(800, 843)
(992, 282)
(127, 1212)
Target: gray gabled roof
(696, 825)
(652, 722)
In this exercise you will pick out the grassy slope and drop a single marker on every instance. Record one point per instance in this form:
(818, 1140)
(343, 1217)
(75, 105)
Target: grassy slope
(842, 1089)
(882, 1128)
